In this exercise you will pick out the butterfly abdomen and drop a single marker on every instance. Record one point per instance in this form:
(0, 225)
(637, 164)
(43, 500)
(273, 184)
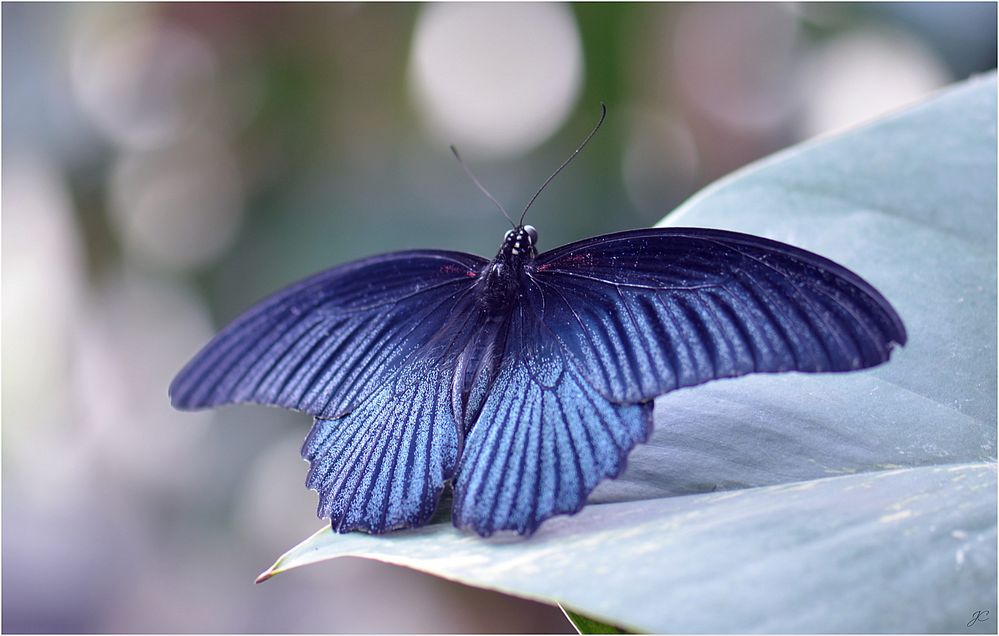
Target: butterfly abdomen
(476, 369)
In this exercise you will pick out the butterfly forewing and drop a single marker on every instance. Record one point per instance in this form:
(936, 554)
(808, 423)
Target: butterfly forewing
(322, 345)
(650, 311)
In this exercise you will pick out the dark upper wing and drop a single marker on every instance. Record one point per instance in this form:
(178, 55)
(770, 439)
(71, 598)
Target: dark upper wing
(323, 344)
(648, 311)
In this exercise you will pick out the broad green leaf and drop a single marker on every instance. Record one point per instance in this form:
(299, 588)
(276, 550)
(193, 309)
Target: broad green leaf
(798, 503)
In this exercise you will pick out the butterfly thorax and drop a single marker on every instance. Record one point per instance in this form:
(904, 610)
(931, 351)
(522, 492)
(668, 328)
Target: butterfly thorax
(499, 281)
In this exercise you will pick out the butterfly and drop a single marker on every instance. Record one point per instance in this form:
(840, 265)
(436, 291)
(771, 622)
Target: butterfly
(526, 379)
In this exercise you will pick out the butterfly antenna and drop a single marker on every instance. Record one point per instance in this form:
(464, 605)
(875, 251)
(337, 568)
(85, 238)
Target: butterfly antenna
(481, 187)
(603, 113)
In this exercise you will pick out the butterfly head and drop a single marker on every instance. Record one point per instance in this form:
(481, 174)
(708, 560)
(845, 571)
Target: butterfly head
(520, 243)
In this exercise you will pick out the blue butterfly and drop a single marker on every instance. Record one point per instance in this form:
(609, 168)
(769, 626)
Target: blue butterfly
(524, 380)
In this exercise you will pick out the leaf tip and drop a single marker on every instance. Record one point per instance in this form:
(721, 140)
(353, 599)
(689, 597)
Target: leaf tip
(268, 573)
(263, 576)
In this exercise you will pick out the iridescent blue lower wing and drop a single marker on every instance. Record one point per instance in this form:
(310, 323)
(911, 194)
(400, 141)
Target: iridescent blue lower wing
(649, 311)
(384, 465)
(544, 437)
(322, 345)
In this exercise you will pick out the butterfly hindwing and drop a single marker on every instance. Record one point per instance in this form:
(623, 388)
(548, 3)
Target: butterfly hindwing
(650, 311)
(322, 345)
(544, 437)
(384, 465)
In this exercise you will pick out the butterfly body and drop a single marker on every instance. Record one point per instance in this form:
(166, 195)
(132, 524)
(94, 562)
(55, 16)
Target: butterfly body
(525, 380)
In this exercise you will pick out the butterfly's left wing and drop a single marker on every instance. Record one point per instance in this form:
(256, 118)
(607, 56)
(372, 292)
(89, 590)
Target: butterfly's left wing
(649, 311)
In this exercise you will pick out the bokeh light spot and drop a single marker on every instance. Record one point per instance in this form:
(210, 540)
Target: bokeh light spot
(867, 73)
(495, 79)
(145, 82)
(734, 62)
(180, 206)
(43, 283)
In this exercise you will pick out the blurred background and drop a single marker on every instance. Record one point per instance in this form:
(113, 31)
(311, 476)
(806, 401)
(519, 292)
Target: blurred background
(166, 165)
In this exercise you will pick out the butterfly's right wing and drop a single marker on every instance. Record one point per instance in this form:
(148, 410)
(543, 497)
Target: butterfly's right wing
(322, 345)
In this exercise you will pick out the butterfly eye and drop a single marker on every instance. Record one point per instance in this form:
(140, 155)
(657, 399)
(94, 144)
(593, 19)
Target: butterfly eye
(533, 233)
(509, 233)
